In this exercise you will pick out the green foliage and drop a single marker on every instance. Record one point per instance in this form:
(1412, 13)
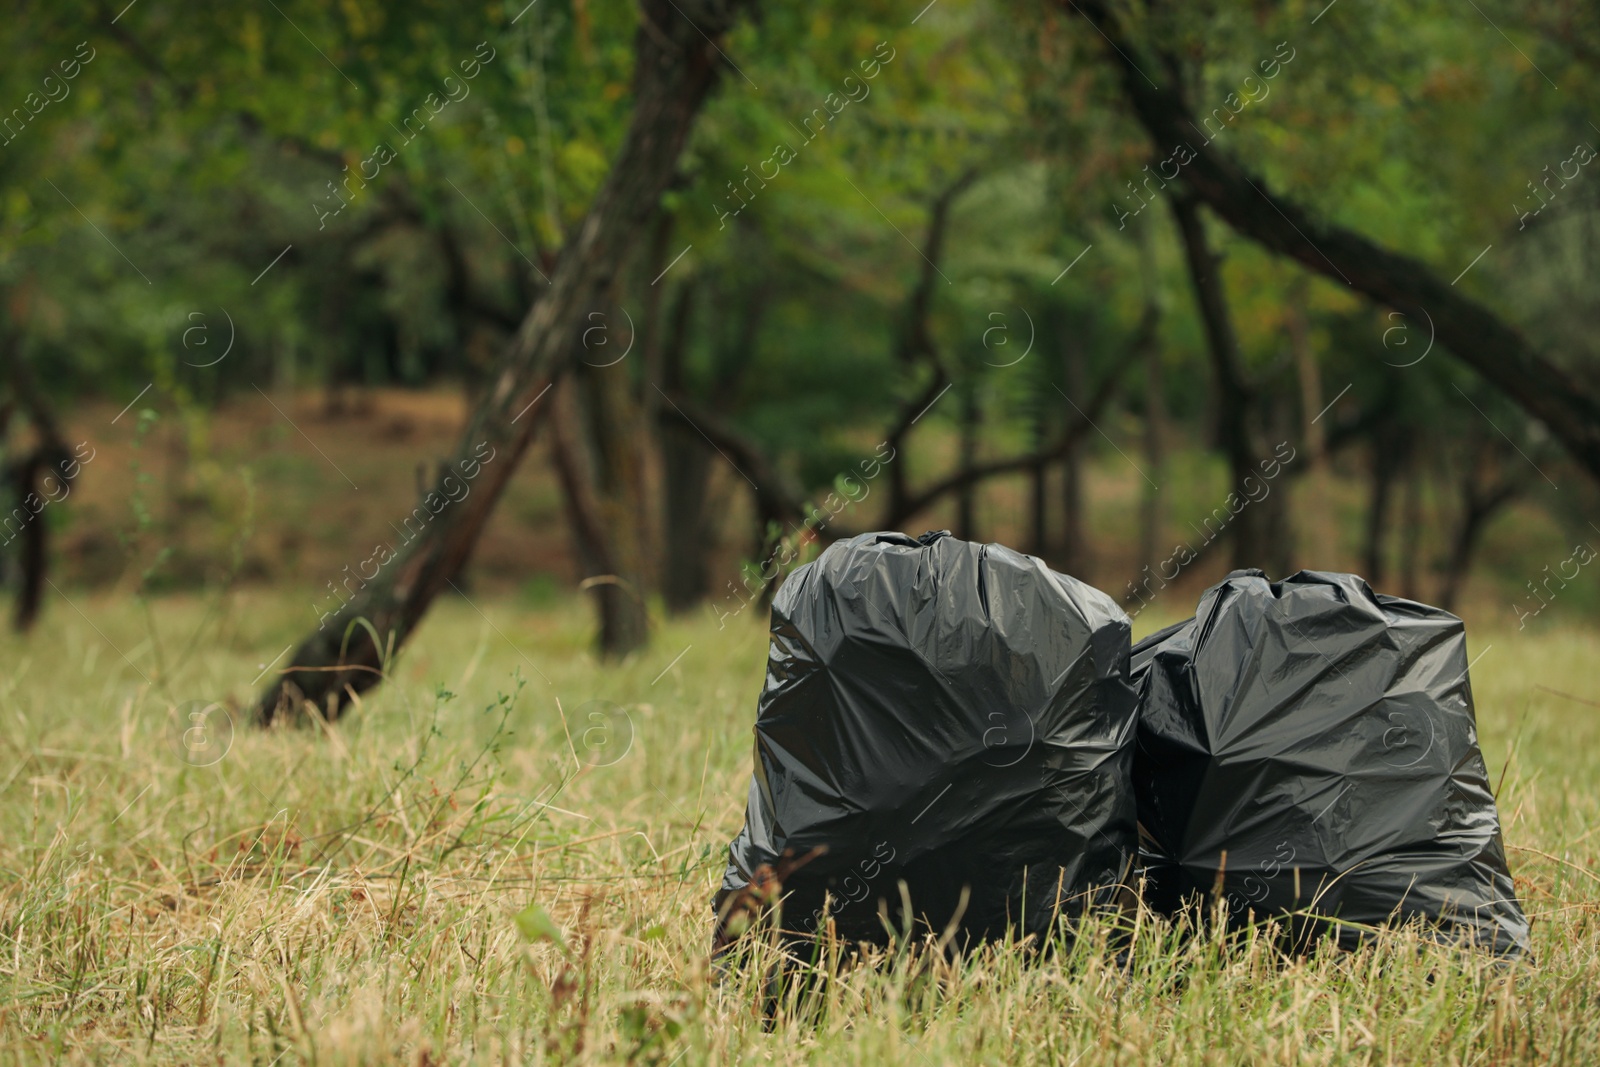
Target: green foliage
(200, 214)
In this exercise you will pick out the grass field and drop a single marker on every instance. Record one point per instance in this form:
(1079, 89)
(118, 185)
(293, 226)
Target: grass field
(348, 893)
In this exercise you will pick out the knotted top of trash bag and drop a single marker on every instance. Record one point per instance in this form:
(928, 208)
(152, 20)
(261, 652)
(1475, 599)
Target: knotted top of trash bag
(950, 714)
(1311, 746)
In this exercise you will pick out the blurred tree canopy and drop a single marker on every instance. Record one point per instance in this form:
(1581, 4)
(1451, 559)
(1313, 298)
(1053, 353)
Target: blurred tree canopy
(948, 230)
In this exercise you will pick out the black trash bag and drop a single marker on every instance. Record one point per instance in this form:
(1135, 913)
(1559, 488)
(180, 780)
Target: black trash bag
(1311, 747)
(956, 716)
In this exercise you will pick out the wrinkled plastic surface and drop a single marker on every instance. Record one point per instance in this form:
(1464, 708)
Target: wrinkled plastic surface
(1322, 739)
(953, 715)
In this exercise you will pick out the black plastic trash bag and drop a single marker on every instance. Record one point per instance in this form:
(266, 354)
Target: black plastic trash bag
(955, 716)
(1312, 746)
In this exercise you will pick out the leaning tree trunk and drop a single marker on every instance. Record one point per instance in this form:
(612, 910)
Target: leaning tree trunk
(1470, 332)
(675, 68)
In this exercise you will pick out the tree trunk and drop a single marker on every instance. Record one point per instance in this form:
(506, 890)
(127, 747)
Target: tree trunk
(675, 67)
(1152, 513)
(1388, 458)
(1463, 327)
(1075, 557)
(1411, 534)
(35, 554)
(1038, 493)
(1079, 423)
(579, 501)
(49, 458)
(1277, 533)
(916, 343)
(1249, 525)
(686, 466)
(1479, 503)
(1469, 532)
(612, 419)
(900, 500)
(1318, 526)
(1152, 504)
(1462, 548)
(593, 487)
(653, 338)
(686, 473)
(966, 495)
(1040, 408)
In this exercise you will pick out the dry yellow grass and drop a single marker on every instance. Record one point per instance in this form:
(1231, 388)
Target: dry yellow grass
(348, 894)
